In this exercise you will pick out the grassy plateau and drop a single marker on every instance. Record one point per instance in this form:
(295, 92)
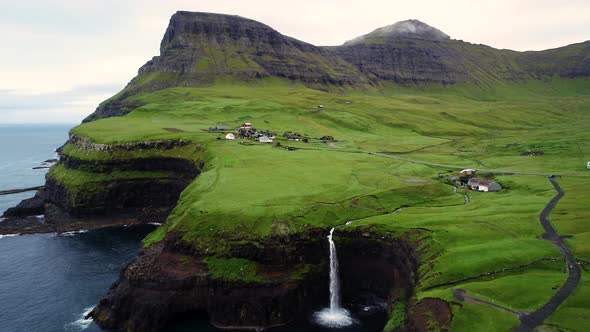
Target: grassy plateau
(394, 149)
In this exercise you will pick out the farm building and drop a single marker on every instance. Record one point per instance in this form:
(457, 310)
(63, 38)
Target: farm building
(246, 125)
(230, 136)
(483, 185)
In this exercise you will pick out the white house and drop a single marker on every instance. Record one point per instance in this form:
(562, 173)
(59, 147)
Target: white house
(588, 165)
(230, 136)
(468, 172)
(483, 185)
(264, 139)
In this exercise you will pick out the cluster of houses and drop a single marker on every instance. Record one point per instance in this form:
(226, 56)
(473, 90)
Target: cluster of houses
(468, 180)
(246, 130)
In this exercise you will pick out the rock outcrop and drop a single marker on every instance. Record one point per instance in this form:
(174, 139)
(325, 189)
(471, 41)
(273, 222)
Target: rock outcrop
(102, 201)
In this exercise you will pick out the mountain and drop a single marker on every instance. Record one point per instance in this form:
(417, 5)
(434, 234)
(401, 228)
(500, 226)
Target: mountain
(204, 45)
(199, 48)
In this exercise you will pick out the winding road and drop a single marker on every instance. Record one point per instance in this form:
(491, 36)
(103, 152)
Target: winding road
(529, 321)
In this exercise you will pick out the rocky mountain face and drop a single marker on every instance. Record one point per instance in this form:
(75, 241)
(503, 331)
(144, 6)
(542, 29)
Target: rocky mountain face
(212, 44)
(198, 48)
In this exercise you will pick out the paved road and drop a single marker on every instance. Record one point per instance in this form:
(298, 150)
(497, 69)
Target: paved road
(536, 318)
(528, 321)
(531, 320)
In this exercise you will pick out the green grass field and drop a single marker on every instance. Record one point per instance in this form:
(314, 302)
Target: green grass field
(251, 192)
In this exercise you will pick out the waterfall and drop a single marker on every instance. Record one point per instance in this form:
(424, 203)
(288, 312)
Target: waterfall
(334, 282)
(334, 316)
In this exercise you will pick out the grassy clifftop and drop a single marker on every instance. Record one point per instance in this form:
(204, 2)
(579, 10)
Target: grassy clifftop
(250, 191)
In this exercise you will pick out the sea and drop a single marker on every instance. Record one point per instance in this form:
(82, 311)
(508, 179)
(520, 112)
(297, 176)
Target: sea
(49, 282)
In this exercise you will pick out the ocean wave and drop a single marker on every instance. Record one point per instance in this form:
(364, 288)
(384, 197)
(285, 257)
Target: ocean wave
(8, 235)
(72, 233)
(155, 223)
(81, 323)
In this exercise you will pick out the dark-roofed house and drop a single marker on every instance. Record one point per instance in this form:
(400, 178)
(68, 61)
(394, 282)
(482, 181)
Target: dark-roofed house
(483, 185)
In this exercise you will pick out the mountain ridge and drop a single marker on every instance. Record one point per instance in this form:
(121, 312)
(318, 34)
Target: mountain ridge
(199, 48)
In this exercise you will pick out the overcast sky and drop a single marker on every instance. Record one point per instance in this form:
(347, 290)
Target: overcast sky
(60, 58)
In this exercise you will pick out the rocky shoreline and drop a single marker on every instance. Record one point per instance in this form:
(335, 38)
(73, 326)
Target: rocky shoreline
(56, 207)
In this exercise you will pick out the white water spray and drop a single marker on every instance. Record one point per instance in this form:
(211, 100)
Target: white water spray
(334, 316)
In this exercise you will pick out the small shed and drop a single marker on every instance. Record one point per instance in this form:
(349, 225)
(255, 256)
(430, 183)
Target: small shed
(246, 125)
(230, 136)
(264, 139)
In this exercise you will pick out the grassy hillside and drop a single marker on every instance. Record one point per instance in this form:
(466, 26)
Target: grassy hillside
(250, 191)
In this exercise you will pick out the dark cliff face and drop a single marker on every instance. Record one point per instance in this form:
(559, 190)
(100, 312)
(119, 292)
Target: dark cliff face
(405, 60)
(198, 48)
(212, 44)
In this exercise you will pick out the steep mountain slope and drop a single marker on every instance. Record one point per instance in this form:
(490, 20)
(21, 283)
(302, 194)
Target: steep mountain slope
(414, 52)
(199, 48)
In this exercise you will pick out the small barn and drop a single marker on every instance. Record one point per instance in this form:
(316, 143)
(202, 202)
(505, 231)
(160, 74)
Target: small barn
(483, 185)
(230, 136)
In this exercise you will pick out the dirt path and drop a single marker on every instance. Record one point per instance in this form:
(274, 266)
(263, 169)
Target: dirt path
(536, 318)
(462, 295)
(415, 161)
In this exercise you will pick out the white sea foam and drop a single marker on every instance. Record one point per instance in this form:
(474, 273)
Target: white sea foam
(72, 233)
(8, 235)
(81, 323)
(155, 223)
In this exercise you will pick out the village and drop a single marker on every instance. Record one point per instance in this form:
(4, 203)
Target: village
(467, 180)
(247, 132)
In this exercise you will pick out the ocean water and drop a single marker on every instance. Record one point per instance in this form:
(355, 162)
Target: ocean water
(23, 147)
(48, 281)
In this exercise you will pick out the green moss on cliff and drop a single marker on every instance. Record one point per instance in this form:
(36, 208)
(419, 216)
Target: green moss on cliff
(397, 317)
(232, 269)
(76, 180)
